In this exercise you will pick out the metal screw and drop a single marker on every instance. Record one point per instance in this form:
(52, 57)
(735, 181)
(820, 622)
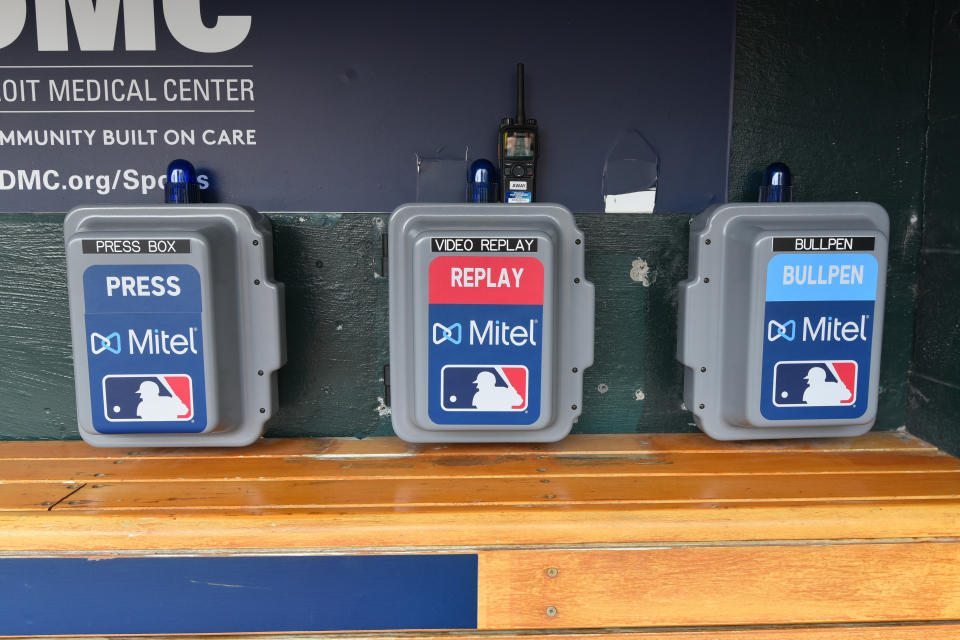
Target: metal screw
(551, 611)
(707, 241)
(706, 280)
(262, 410)
(703, 369)
(575, 369)
(552, 572)
(576, 280)
(578, 241)
(257, 282)
(703, 406)
(260, 372)
(256, 242)
(574, 407)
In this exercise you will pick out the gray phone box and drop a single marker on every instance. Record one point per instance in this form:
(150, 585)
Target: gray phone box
(781, 319)
(177, 324)
(491, 322)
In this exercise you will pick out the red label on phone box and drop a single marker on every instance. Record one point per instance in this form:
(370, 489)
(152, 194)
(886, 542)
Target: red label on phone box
(482, 280)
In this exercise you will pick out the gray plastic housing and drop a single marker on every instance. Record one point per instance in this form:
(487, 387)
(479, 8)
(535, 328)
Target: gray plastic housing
(177, 323)
(781, 319)
(491, 322)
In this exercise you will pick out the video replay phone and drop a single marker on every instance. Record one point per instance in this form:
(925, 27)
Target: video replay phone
(517, 150)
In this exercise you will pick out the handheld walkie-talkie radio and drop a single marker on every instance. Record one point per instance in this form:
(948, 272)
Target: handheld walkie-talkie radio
(517, 149)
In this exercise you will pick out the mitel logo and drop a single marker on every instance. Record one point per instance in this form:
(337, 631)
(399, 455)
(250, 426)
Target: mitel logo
(787, 330)
(491, 333)
(453, 333)
(151, 342)
(96, 25)
(822, 329)
(497, 333)
(100, 343)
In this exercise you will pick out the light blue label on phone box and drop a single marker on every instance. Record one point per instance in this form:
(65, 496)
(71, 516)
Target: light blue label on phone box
(795, 276)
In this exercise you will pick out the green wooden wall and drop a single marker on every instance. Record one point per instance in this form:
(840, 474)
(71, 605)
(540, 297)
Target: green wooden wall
(935, 378)
(838, 91)
(337, 325)
(847, 110)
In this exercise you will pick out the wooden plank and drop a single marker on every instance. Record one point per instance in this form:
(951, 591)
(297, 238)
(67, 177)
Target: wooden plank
(33, 497)
(613, 489)
(400, 528)
(546, 492)
(934, 631)
(301, 467)
(730, 585)
(62, 450)
(595, 444)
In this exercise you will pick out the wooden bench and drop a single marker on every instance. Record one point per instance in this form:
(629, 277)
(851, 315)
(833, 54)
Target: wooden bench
(647, 536)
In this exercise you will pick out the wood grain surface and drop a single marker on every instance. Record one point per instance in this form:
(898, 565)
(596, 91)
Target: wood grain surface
(905, 631)
(381, 492)
(719, 585)
(643, 532)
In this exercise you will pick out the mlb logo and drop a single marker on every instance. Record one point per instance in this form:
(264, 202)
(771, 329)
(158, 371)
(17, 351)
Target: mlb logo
(815, 383)
(148, 398)
(471, 387)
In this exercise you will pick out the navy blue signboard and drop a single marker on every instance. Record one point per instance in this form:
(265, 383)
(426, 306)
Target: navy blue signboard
(486, 340)
(145, 348)
(270, 594)
(819, 335)
(293, 106)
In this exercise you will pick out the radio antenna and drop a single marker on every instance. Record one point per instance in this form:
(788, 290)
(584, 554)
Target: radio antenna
(521, 115)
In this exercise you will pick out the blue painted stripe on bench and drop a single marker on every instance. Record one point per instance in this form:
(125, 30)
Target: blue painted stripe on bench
(46, 596)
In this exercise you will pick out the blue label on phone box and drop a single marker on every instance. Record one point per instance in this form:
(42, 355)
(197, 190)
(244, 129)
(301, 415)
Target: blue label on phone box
(144, 341)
